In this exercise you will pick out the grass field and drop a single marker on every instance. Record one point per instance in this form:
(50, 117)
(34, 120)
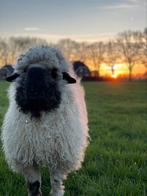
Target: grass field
(116, 159)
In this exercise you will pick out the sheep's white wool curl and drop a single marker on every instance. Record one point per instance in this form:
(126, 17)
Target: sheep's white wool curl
(60, 137)
(42, 54)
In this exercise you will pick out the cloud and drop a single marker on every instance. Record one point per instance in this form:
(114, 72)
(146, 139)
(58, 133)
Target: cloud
(123, 5)
(132, 1)
(31, 28)
(118, 6)
(135, 1)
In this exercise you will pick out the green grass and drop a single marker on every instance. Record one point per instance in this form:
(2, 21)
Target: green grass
(116, 159)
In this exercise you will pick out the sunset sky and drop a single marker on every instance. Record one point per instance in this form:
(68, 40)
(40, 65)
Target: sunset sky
(122, 70)
(80, 20)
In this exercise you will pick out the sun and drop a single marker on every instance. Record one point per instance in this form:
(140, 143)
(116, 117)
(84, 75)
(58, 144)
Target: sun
(114, 76)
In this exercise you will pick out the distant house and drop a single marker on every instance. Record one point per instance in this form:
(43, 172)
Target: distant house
(81, 69)
(5, 71)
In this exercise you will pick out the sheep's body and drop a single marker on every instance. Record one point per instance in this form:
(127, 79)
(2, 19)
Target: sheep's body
(59, 136)
(57, 140)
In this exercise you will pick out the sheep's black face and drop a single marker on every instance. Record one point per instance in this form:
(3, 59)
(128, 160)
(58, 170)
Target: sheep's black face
(38, 90)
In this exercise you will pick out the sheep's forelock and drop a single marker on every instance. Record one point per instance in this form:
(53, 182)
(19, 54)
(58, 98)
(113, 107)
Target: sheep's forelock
(41, 54)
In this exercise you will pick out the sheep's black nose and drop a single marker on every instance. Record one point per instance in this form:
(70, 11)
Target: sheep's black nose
(38, 92)
(36, 73)
(35, 81)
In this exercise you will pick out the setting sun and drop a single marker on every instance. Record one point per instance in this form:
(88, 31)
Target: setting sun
(114, 76)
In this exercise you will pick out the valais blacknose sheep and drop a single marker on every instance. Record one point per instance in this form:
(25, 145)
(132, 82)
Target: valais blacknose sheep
(46, 122)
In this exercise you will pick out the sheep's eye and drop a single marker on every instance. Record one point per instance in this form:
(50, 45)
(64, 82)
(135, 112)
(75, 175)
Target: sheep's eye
(54, 73)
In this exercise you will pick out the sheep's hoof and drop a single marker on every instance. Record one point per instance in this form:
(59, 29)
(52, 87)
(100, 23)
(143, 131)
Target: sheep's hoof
(57, 193)
(34, 189)
(32, 194)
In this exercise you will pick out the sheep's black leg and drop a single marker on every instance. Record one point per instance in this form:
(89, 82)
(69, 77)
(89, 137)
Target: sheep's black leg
(34, 188)
(33, 179)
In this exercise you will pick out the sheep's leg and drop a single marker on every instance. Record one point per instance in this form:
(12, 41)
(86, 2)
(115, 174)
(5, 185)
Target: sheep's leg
(33, 179)
(57, 187)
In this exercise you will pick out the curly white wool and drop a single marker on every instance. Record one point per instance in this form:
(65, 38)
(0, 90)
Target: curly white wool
(42, 54)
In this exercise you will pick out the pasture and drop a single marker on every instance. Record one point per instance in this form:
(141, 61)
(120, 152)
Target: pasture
(116, 159)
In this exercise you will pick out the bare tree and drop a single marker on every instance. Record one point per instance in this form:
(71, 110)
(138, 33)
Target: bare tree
(96, 54)
(18, 45)
(129, 46)
(11, 48)
(111, 55)
(3, 52)
(68, 47)
(82, 52)
(144, 48)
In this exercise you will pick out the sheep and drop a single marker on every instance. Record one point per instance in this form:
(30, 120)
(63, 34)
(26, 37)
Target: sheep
(46, 123)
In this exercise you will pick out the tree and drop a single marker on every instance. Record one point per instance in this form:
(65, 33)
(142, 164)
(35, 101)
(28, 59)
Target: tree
(82, 52)
(3, 52)
(68, 47)
(18, 45)
(111, 55)
(96, 54)
(10, 49)
(129, 47)
(144, 48)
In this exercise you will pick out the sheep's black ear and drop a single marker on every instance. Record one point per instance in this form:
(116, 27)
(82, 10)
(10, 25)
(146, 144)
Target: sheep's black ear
(12, 77)
(68, 78)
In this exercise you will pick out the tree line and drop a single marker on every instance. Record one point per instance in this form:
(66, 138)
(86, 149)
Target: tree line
(128, 47)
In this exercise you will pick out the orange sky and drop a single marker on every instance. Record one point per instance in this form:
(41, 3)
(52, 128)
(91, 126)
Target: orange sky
(121, 69)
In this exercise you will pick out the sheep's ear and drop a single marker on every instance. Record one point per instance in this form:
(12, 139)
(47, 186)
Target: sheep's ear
(68, 78)
(12, 77)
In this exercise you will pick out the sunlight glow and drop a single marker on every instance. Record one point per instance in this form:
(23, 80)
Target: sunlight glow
(114, 76)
